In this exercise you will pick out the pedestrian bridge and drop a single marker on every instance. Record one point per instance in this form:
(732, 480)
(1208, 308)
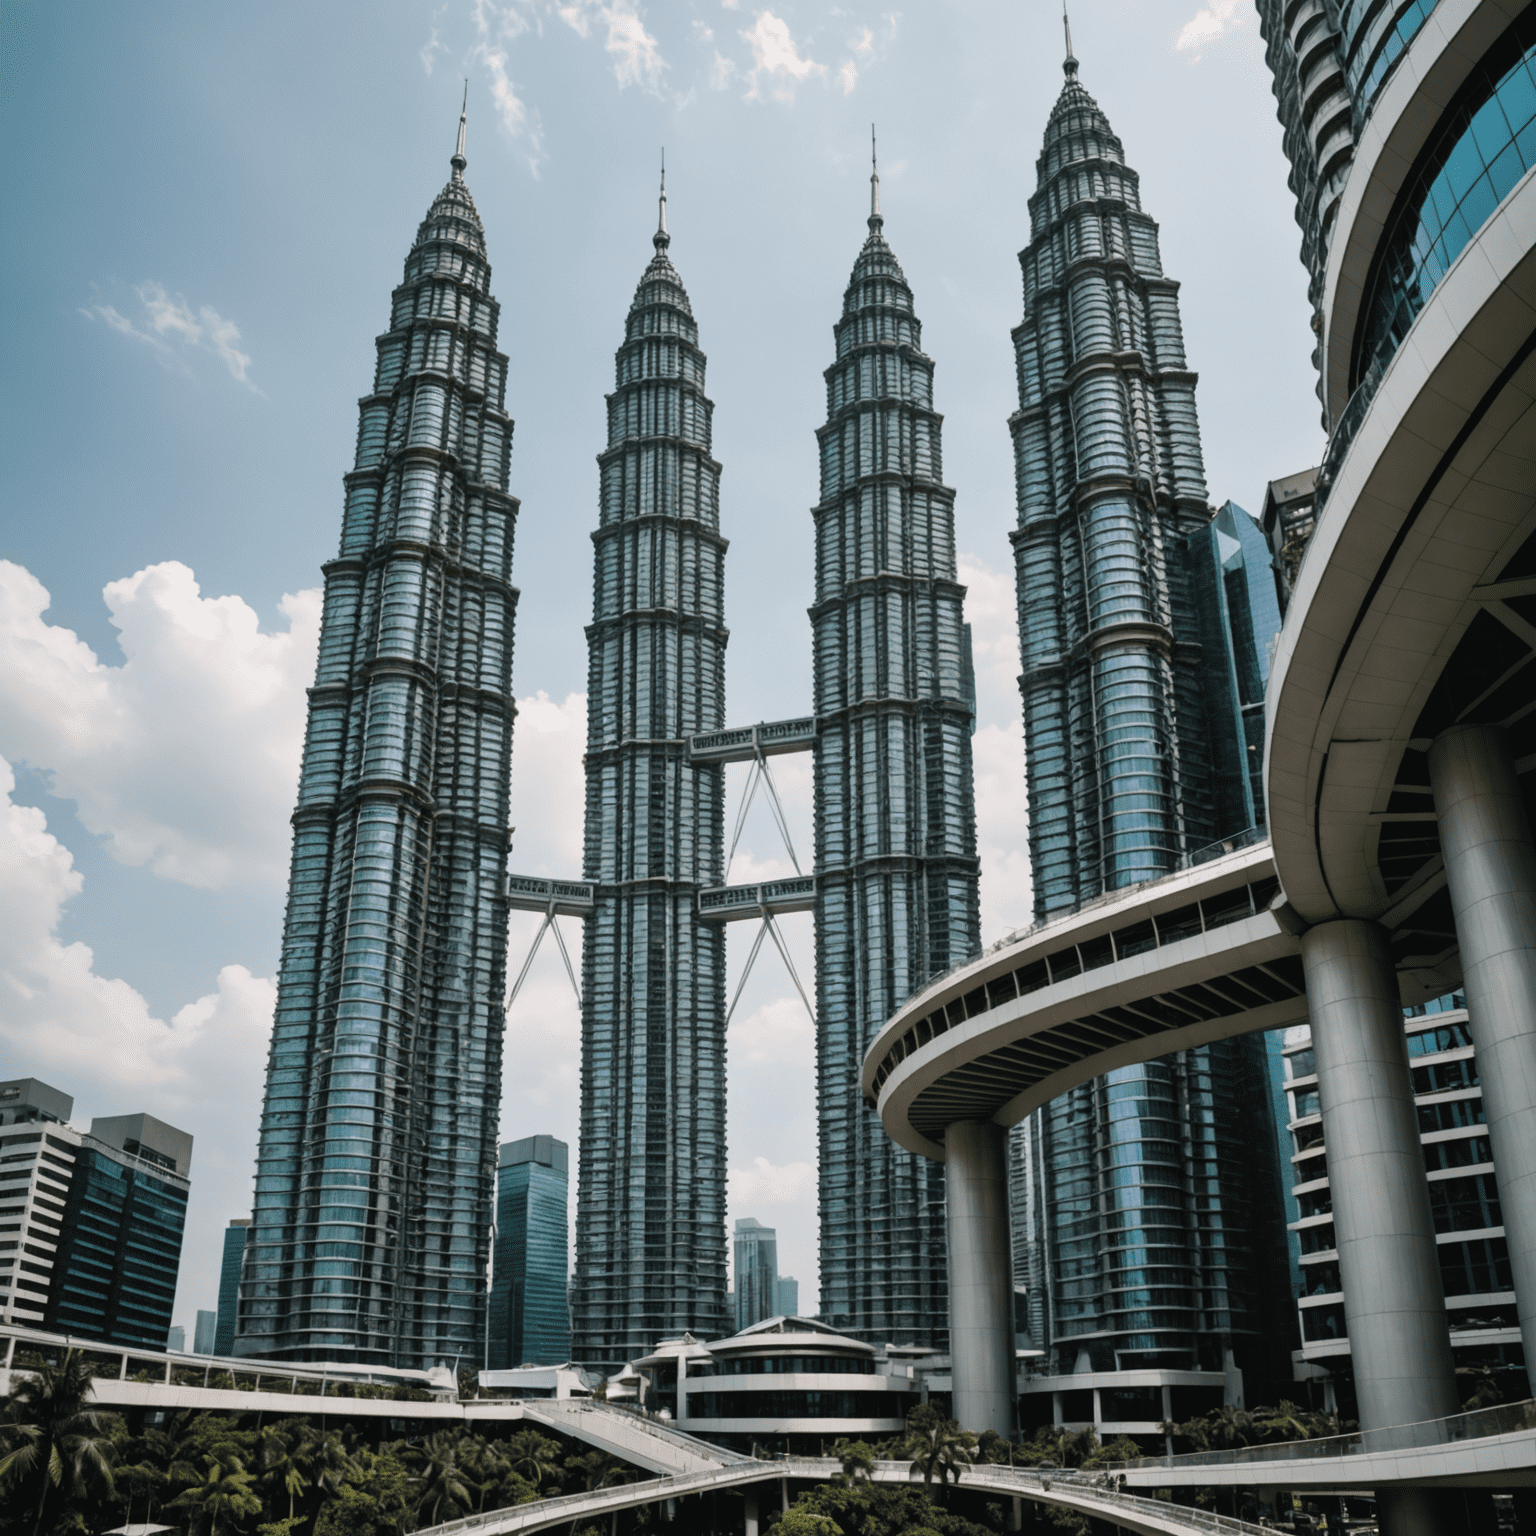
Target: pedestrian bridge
(752, 1481)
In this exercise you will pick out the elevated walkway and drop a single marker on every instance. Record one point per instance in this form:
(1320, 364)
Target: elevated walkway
(1097, 1499)
(731, 903)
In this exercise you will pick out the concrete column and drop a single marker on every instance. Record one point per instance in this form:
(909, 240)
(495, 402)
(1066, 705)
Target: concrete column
(1490, 863)
(980, 1276)
(1393, 1300)
(749, 1513)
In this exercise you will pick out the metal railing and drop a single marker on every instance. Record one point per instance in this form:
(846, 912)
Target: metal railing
(629, 1418)
(1476, 1424)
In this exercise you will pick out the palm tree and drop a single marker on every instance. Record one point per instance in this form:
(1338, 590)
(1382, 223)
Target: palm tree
(283, 1462)
(858, 1461)
(223, 1497)
(54, 1444)
(936, 1446)
(443, 1480)
(533, 1455)
(328, 1461)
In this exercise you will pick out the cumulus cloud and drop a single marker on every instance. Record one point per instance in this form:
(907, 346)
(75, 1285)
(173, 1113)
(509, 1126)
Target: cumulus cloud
(185, 757)
(168, 326)
(636, 54)
(433, 46)
(777, 65)
(762, 1183)
(96, 1037)
(779, 1031)
(496, 28)
(1207, 25)
(848, 76)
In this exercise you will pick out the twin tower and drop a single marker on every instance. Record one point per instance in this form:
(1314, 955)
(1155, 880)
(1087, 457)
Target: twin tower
(378, 1138)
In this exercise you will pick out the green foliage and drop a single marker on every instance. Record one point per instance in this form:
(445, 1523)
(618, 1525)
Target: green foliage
(801, 1522)
(875, 1509)
(936, 1446)
(858, 1460)
(56, 1452)
(1228, 1428)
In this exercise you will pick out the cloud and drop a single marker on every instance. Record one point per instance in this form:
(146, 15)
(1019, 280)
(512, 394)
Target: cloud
(166, 320)
(768, 1184)
(95, 1037)
(720, 72)
(779, 1031)
(1217, 19)
(863, 43)
(184, 758)
(848, 76)
(636, 54)
(496, 27)
(777, 65)
(433, 46)
(549, 786)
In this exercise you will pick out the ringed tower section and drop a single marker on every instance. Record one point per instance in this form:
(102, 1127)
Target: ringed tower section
(650, 1225)
(1111, 484)
(895, 824)
(378, 1132)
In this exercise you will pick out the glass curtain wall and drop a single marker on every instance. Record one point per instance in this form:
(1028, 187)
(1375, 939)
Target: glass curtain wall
(895, 815)
(378, 1134)
(650, 1224)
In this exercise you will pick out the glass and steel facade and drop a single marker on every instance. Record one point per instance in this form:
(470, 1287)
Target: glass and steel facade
(233, 1256)
(650, 1224)
(1239, 617)
(1111, 486)
(1484, 145)
(1159, 1235)
(378, 1133)
(530, 1318)
(1146, 1204)
(756, 1272)
(895, 825)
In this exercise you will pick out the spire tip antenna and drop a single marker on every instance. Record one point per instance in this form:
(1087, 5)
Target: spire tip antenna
(875, 220)
(458, 162)
(1069, 64)
(662, 239)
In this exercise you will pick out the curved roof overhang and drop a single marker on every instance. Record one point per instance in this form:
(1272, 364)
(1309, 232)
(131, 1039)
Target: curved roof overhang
(1406, 617)
(1003, 1056)
(1449, 46)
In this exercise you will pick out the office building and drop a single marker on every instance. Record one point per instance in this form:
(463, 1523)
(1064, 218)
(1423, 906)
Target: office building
(1151, 1215)
(650, 1220)
(378, 1134)
(895, 825)
(1462, 1184)
(91, 1222)
(204, 1333)
(786, 1296)
(176, 1340)
(236, 1235)
(530, 1316)
(757, 1272)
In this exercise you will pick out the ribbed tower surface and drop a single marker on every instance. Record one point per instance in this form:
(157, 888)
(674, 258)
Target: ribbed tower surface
(378, 1136)
(1110, 484)
(895, 819)
(650, 1225)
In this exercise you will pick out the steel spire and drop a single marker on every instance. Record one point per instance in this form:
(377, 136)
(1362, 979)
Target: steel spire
(875, 221)
(662, 239)
(458, 162)
(1069, 64)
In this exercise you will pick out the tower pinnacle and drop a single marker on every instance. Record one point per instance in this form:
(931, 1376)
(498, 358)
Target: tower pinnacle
(1069, 64)
(875, 221)
(458, 162)
(662, 239)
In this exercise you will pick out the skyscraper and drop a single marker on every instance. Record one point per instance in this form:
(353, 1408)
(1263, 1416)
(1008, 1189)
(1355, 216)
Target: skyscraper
(530, 1321)
(757, 1272)
(1111, 486)
(236, 1234)
(896, 861)
(1151, 1220)
(650, 1223)
(378, 1136)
